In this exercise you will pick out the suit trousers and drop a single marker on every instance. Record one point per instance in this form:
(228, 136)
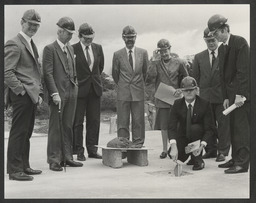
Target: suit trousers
(55, 136)
(88, 106)
(136, 110)
(240, 135)
(223, 128)
(182, 141)
(21, 130)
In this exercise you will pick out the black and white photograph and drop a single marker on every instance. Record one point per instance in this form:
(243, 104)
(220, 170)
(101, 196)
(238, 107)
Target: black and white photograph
(127, 101)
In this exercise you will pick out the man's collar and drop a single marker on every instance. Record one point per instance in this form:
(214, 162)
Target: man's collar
(83, 46)
(227, 42)
(192, 103)
(215, 52)
(27, 38)
(60, 44)
(127, 50)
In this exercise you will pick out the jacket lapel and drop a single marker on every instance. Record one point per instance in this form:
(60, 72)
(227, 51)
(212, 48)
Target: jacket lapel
(22, 39)
(196, 108)
(94, 52)
(208, 66)
(138, 59)
(61, 55)
(71, 53)
(80, 52)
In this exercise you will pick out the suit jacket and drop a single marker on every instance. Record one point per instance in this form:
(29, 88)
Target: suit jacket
(57, 75)
(22, 70)
(202, 115)
(85, 76)
(170, 75)
(207, 77)
(234, 66)
(130, 83)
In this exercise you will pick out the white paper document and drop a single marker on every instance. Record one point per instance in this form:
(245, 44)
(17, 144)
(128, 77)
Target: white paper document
(192, 146)
(231, 108)
(166, 93)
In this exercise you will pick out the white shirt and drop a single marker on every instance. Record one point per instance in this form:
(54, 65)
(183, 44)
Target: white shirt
(215, 54)
(133, 56)
(28, 39)
(172, 141)
(90, 53)
(62, 46)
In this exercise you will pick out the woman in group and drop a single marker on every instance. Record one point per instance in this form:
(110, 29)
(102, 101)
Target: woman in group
(170, 70)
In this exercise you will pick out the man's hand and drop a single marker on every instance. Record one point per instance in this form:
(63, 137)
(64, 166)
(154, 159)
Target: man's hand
(23, 92)
(226, 103)
(40, 100)
(56, 99)
(174, 152)
(188, 148)
(239, 101)
(198, 151)
(177, 93)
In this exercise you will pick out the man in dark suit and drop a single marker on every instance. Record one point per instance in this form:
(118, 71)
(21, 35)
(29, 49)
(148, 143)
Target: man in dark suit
(60, 79)
(129, 69)
(190, 120)
(234, 54)
(207, 74)
(89, 66)
(23, 87)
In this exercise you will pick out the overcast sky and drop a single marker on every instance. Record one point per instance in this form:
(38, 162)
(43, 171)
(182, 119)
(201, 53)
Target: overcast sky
(182, 25)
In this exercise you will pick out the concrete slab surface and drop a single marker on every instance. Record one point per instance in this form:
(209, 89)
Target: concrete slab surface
(96, 181)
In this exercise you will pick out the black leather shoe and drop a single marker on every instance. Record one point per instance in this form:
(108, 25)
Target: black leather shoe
(163, 155)
(95, 155)
(30, 171)
(198, 167)
(72, 163)
(190, 162)
(220, 158)
(208, 155)
(55, 167)
(20, 176)
(81, 157)
(236, 169)
(228, 164)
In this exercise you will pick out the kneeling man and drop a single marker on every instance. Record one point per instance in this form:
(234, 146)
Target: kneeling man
(191, 119)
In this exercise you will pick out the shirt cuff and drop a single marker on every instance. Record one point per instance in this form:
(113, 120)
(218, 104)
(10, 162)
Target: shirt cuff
(172, 141)
(204, 143)
(54, 94)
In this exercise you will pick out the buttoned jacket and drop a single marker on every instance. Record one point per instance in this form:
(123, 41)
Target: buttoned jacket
(130, 82)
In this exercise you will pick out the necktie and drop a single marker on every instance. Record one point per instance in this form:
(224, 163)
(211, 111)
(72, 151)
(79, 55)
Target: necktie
(88, 56)
(34, 49)
(188, 124)
(213, 57)
(65, 51)
(130, 58)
